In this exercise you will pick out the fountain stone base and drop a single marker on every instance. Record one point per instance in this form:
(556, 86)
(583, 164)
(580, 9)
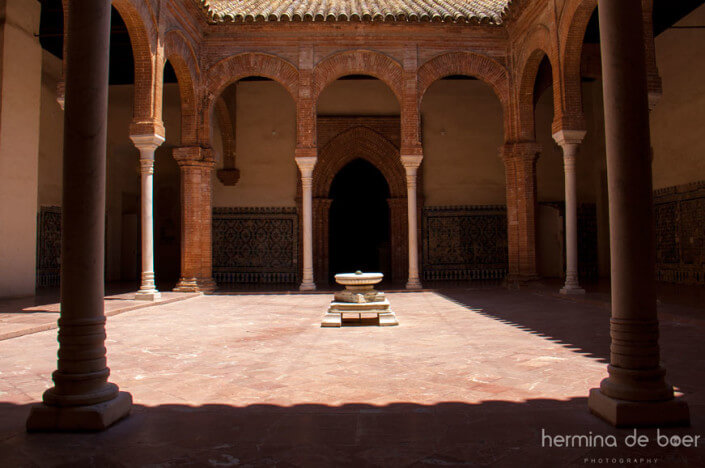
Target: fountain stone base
(359, 298)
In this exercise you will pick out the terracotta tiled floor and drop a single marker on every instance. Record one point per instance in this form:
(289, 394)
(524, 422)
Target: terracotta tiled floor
(470, 377)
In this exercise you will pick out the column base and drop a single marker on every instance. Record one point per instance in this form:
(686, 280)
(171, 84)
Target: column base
(572, 290)
(413, 284)
(96, 417)
(622, 413)
(207, 285)
(196, 285)
(148, 295)
(307, 286)
(514, 281)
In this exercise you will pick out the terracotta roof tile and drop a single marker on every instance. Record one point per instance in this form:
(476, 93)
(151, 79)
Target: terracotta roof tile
(490, 11)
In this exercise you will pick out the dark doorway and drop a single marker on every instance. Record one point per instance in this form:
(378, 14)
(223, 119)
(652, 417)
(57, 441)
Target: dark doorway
(359, 220)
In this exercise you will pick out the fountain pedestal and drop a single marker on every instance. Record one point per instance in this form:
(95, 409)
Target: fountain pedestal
(359, 298)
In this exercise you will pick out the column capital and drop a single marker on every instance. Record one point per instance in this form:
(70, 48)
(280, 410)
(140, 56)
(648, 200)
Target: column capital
(520, 150)
(411, 161)
(306, 165)
(194, 156)
(569, 137)
(147, 142)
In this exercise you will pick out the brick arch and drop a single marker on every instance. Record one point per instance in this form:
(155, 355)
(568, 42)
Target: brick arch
(468, 64)
(140, 27)
(179, 52)
(237, 67)
(358, 62)
(232, 69)
(571, 34)
(360, 143)
(525, 99)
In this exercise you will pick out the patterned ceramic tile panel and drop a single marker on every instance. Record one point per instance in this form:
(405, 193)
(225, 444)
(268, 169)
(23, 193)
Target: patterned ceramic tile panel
(464, 242)
(680, 233)
(255, 245)
(48, 246)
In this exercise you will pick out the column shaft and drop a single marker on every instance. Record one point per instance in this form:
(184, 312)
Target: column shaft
(82, 398)
(569, 140)
(411, 165)
(635, 393)
(306, 165)
(147, 145)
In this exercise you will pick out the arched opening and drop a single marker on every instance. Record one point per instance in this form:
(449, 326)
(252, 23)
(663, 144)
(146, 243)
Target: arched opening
(123, 245)
(357, 118)
(464, 227)
(359, 221)
(255, 230)
(550, 209)
(167, 213)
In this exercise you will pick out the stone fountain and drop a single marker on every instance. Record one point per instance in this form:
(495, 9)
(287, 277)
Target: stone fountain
(359, 298)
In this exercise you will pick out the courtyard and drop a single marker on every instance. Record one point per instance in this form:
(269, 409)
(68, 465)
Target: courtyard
(472, 376)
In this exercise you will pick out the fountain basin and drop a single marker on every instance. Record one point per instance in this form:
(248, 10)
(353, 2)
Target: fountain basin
(358, 279)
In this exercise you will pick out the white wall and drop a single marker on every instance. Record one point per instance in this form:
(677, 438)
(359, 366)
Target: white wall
(678, 119)
(462, 131)
(264, 148)
(20, 91)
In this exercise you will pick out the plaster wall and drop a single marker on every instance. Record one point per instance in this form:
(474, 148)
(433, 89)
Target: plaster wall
(357, 97)
(20, 88)
(265, 140)
(461, 134)
(677, 120)
(462, 131)
(51, 134)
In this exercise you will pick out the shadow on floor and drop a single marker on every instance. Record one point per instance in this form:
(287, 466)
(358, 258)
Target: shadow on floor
(585, 333)
(584, 329)
(491, 433)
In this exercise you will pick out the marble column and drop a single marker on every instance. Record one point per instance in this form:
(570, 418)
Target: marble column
(82, 398)
(306, 164)
(569, 140)
(147, 145)
(411, 165)
(636, 392)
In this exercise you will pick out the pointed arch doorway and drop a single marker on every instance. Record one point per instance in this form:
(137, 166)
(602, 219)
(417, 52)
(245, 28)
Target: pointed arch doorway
(360, 153)
(359, 220)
